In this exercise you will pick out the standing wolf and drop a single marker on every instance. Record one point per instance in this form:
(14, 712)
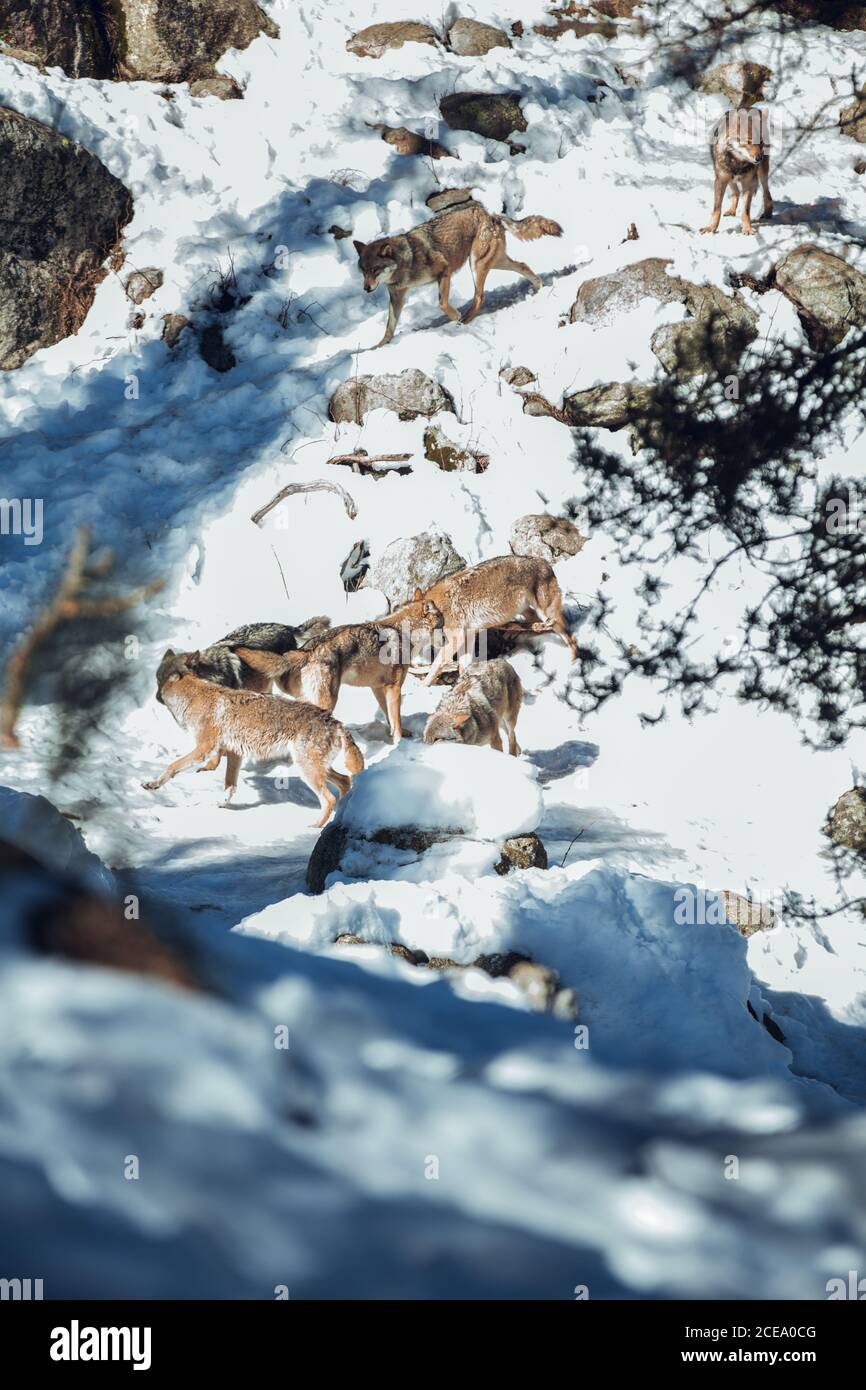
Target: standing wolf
(740, 153)
(439, 248)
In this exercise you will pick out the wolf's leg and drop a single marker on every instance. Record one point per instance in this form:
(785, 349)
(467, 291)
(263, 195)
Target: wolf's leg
(339, 780)
(396, 301)
(495, 736)
(731, 209)
(466, 649)
(764, 176)
(504, 262)
(212, 763)
(314, 775)
(233, 767)
(482, 267)
(379, 692)
(444, 290)
(392, 708)
(749, 192)
(513, 745)
(719, 187)
(204, 749)
(445, 653)
(552, 614)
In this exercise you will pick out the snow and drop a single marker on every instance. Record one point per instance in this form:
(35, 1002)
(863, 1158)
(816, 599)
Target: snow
(557, 1164)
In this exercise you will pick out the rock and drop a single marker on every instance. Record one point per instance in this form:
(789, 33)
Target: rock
(449, 198)
(450, 457)
(568, 24)
(860, 166)
(747, 915)
(348, 938)
(742, 83)
(517, 376)
(410, 957)
(215, 350)
(545, 537)
(471, 39)
(838, 14)
(407, 142)
(339, 233)
(852, 120)
(413, 562)
(522, 852)
(566, 1004)
(63, 214)
(617, 9)
(846, 822)
(495, 116)
(828, 294)
(499, 965)
(181, 40)
(325, 859)
(223, 88)
(610, 407)
(141, 284)
(172, 327)
(22, 55)
(58, 33)
(376, 39)
(538, 982)
(409, 395)
(602, 298)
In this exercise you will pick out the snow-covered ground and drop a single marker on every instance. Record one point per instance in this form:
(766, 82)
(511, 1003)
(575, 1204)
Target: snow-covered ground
(420, 1136)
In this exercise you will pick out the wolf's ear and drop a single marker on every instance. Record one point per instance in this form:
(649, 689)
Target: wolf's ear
(167, 653)
(458, 720)
(417, 596)
(360, 247)
(387, 250)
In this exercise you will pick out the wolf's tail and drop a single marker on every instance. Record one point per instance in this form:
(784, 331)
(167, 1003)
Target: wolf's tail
(531, 228)
(273, 664)
(351, 752)
(275, 637)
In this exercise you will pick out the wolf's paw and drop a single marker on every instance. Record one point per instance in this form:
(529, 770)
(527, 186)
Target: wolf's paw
(150, 786)
(708, 228)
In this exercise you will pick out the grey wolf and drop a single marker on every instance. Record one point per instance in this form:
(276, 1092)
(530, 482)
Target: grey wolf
(355, 654)
(221, 664)
(437, 249)
(490, 595)
(741, 158)
(244, 723)
(488, 694)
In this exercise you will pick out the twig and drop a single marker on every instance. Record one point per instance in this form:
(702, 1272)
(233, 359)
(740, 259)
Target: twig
(362, 462)
(66, 605)
(351, 508)
(568, 851)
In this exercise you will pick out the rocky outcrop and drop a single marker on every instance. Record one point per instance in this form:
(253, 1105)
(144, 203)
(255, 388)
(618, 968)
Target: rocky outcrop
(828, 293)
(712, 338)
(521, 852)
(62, 215)
(741, 83)
(414, 562)
(545, 537)
(471, 39)
(149, 40)
(496, 116)
(410, 394)
(377, 39)
(846, 823)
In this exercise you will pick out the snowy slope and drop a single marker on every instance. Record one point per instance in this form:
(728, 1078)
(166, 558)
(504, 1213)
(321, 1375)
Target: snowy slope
(610, 1160)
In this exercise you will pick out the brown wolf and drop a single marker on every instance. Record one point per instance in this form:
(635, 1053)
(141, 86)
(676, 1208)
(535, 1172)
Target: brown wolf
(492, 594)
(741, 157)
(243, 723)
(220, 661)
(439, 248)
(488, 694)
(355, 654)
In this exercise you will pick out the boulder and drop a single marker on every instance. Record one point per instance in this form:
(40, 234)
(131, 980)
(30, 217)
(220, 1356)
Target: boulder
(181, 40)
(748, 915)
(471, 39)
(62, 216)
(58, 33)
(545, 537)
(172, 327)
(521, 852)
(410, 394)
(518, 376)
(449, 198)
(741, 83)
(376, 39)
(439, 449)
(611, 406)
(569, 24)
(22, 55)
(223, 88)
(852, 120)
(416, 562)
(828, 293)
(496, 115)
(838, 14)
(141, 284)
(408, 142)
(602, 298)
(846, 823)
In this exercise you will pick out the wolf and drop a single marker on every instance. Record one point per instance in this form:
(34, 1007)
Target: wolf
(437, 249)
(740, 153)
(490, 595)
(354, 654)
(488, 694)
(220, 661)
(244, 723)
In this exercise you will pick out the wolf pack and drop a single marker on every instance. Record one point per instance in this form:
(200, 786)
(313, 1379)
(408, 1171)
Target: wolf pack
(224, 694)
